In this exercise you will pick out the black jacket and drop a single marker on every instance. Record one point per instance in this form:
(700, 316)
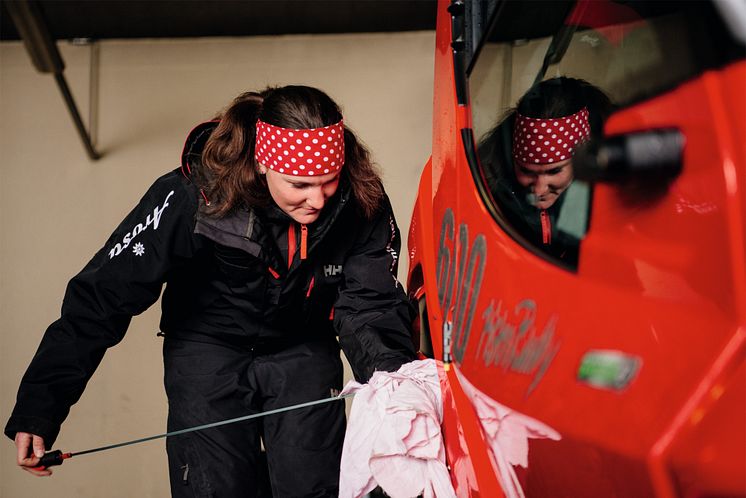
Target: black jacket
(227, 280)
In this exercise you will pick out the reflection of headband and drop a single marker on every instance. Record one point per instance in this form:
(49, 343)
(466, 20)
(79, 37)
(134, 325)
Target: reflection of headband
(551, 140)
(302, 152)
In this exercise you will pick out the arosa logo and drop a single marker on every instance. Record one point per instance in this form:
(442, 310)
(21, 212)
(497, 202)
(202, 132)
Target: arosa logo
(332, 270)
(152, 219)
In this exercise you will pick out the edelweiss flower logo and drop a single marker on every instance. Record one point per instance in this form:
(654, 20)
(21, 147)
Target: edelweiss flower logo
(138, 249)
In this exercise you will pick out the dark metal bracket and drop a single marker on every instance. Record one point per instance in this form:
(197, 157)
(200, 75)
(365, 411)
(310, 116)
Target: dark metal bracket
(457, 10)
(42, 49)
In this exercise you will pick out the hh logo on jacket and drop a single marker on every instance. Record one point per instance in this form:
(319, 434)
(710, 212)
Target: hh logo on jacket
(151, 219)
(332, 270)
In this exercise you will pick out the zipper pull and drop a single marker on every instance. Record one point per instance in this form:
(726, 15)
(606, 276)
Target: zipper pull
(303, 241)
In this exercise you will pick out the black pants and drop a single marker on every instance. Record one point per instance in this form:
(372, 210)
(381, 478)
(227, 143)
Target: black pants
(208, 383)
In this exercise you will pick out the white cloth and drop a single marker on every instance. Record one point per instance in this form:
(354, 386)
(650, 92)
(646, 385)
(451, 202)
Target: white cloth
(393, 437)
(507, 432)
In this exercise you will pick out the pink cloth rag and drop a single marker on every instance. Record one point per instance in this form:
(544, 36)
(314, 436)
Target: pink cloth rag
(393, 437)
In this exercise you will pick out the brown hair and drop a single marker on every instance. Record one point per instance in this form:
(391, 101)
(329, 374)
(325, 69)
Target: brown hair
(234, 178)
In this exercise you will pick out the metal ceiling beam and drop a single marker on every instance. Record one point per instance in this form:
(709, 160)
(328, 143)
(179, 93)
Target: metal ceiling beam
(45, 56)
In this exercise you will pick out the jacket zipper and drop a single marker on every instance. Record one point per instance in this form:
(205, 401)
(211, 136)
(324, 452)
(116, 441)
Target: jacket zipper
(303, 252)
(546, 227)
(303, 241)
(291, 244)
(291, 249)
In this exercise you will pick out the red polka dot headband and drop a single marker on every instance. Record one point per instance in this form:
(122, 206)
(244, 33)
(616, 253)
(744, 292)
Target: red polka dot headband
(551, 140)
(302, 152)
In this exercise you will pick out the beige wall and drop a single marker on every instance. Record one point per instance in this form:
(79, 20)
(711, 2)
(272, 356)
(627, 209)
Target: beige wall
(57, 207)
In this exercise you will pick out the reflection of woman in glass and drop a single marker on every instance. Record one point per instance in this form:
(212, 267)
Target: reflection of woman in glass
(527, 160)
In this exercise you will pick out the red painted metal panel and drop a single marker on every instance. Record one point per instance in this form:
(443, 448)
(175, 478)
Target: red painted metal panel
(662, 279)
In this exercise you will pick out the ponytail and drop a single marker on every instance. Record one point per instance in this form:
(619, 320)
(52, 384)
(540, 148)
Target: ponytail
(233, 178)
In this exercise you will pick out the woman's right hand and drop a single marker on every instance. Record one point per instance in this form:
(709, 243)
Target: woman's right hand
(30, 449)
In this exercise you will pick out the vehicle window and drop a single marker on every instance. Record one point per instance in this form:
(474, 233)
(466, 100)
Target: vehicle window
(557, 65)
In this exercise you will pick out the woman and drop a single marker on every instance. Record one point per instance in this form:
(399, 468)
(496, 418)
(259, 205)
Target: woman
(527, 160)
(274, 236)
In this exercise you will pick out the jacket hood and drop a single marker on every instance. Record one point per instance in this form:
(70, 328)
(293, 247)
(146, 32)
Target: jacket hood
(191, 155)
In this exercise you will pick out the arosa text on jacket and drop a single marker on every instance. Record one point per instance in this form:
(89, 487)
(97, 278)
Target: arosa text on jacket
(153, 219)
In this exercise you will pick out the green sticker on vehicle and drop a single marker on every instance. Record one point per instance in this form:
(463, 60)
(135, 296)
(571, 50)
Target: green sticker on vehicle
(608, 369)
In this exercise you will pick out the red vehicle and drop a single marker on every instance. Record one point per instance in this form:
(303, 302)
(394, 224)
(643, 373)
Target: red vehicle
(632, 352)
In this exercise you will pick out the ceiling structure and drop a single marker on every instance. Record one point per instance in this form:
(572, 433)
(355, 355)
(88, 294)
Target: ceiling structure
(41, 23)
(106, 19)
